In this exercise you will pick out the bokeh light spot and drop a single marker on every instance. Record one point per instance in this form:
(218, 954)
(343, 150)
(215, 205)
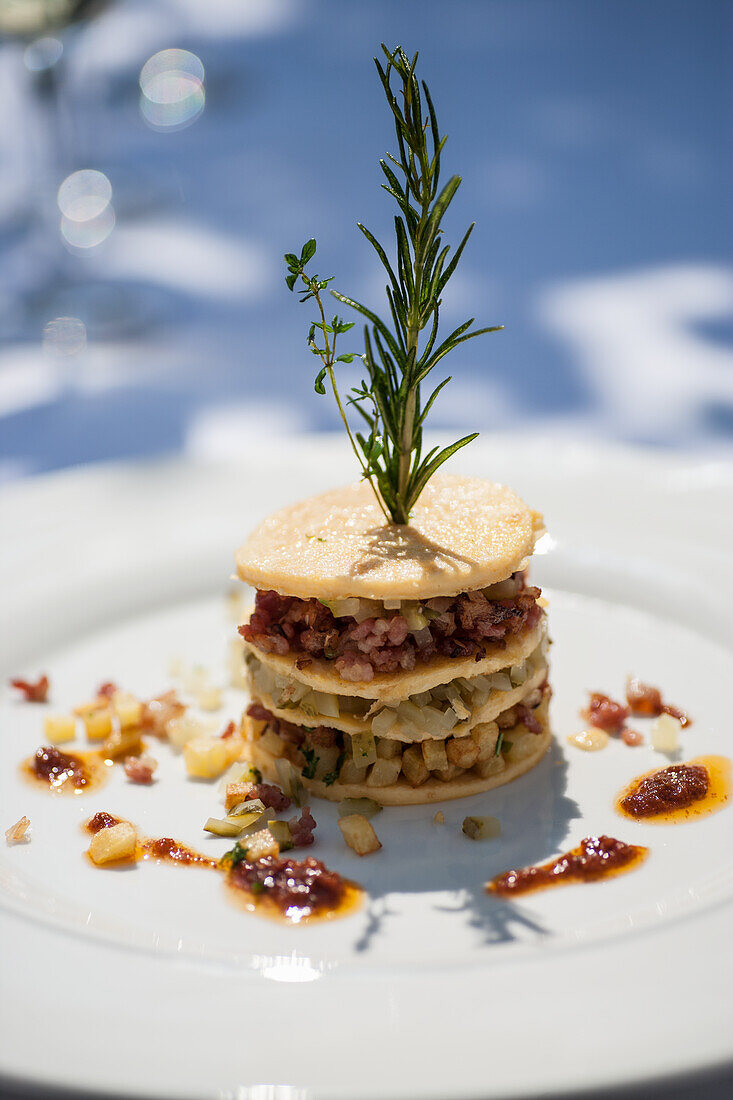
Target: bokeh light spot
(42, 54)
(172, 84)
(89, 233)
(84, 195)
(65, 336)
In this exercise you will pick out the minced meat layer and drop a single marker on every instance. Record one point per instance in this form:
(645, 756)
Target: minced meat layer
(459, 626)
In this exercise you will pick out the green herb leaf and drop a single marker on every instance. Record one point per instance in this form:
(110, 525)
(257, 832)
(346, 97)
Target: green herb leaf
(311, 762)
(330, 777)
(319, 386)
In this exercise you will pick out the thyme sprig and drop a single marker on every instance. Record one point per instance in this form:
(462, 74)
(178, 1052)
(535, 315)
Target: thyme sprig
(399, 358)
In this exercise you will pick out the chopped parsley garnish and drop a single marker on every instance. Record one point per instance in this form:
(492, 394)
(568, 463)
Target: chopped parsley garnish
(237, 854)
(311, 762)
(331, 777)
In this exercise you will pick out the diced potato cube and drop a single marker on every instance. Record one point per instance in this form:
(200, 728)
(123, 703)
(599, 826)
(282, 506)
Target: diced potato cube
(98, 724)
(127, 709)
(351, 772)
(326, 760)
(58, 728)
(239, 773)
(359, 834)
(363, 748)
(272, 744)
(261, 844)
(387, 749)
(117, 842)
(209, 698)
(207, 757)
(384, 772)
(235, 793)
(122, 743)
(447, 774)
(523, 746)
(87, 708)
(414, 767)
(462, 751)
(491, 766)
(183, 729)
(485, 735)
(434, 755)
(665, 734)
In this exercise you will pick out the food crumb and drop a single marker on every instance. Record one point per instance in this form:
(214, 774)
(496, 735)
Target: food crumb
(17, 832)
(632, 737)
(439, 818)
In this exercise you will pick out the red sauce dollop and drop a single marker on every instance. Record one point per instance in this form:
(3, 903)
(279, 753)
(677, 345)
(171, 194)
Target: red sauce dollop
(101, 820)
(297, 888)
(596, 857)
(58, 767)
(672, 788)
(646, 701)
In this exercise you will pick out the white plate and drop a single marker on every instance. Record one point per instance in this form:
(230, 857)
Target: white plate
(147, 982)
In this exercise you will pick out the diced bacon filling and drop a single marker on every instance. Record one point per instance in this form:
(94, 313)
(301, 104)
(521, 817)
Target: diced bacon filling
(295, 735)
(33, 692)
(459, 626)
(270, 796)
(301, 828)
(606, 714)
(140, 769)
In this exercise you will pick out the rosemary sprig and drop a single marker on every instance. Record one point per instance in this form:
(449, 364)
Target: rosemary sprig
(398, 358)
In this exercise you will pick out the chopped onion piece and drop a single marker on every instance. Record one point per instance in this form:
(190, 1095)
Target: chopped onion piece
(290, 780)
(325, 703)
(481, 828)
(223, 827)
(500, 681)
(391, 605)
(414, 618)
(518, 673)
(282, 834)
(382, 723)
(363, 748)
(250, 806)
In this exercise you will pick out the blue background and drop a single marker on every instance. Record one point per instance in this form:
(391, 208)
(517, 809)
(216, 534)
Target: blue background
(594, 145)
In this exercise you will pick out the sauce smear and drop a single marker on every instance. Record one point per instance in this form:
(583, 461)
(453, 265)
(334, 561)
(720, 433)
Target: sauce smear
(680, 792)
(293, 890)
(70, 772)
(595, 858)
(167, 850)
(162, 849)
